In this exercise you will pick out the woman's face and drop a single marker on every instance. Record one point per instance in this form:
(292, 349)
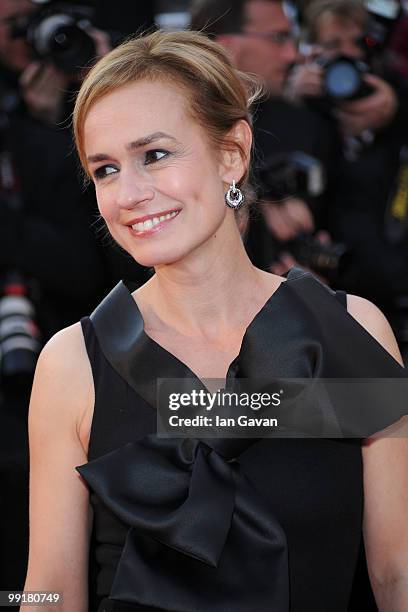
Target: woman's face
(159, 182)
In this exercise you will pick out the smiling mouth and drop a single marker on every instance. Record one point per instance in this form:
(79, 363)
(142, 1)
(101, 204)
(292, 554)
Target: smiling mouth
(153, 223)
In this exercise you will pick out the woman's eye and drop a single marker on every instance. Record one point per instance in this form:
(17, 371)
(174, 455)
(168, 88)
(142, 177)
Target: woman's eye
(154, 156)
(104, 171)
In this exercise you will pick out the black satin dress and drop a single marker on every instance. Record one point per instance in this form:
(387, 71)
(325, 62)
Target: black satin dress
(241, 525)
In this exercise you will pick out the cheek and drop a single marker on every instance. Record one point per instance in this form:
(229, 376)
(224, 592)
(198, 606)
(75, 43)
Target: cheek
(356, 51)
(263, 52)
(250, 57)
(195, 189)
(3, 36)
(19, 49)
(105, 205)
(207, 198)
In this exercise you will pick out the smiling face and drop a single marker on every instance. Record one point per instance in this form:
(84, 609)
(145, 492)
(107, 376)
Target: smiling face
(159, 181)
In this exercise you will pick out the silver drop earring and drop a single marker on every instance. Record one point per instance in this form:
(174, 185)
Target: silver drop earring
(234, 197)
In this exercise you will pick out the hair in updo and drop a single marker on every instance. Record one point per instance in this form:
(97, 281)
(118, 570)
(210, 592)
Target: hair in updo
(217, 95)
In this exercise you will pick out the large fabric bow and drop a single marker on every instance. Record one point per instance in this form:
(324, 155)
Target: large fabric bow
(201, 538)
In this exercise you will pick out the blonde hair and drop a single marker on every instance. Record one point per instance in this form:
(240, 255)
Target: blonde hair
(218, 95)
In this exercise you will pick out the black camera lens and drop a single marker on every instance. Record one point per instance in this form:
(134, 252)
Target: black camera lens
(19, 334)
(342, 79)
(58, 33)
(61, 38)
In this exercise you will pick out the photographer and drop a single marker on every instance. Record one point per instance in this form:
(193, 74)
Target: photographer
(339, 29)
(368, 208)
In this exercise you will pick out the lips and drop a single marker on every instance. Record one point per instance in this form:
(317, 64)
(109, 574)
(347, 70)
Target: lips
(150, 223)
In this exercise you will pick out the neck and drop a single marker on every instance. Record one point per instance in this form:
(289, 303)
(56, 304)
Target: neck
(207, 292)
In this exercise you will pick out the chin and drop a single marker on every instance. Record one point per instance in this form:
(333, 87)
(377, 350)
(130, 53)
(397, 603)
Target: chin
(151, 252)
(151, 258)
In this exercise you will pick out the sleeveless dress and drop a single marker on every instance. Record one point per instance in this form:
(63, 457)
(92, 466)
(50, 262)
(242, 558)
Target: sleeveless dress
(243, 525)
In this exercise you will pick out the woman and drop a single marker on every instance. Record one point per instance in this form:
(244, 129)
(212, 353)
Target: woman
(163, 129)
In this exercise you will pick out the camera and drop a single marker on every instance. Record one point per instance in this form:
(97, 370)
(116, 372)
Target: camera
(344, 78)
(294, 173)
(20, 339)
(58, 33)
(297, 174)
(325, 259)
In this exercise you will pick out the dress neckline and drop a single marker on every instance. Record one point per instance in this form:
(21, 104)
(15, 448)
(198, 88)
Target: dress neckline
(141, 361)
(230, 370)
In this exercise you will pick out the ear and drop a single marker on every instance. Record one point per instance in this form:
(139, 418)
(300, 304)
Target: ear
(232, 44)
(235, 159)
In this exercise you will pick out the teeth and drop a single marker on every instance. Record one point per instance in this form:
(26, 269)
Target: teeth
(149, 223)
(138, 227)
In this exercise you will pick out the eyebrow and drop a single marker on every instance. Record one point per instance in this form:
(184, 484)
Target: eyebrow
(133, 146)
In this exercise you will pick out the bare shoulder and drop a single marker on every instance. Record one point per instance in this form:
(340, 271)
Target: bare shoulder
(64, 359)
(375, 322)
(66, 340)
(63, 384)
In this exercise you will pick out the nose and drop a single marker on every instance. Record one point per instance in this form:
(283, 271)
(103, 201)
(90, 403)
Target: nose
(133, 189)
(290, 52)
(351, 49)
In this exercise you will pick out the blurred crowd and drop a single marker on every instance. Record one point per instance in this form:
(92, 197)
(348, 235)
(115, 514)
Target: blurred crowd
(330, 173)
